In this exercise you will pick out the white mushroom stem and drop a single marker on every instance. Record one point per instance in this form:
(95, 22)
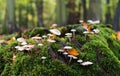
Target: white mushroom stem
(73, 30)
(70, 58)
(43, 58)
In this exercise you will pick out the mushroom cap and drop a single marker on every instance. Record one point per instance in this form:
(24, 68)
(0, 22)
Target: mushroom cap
(28, 47)
(86, 63)
(21, 48)
(50, 40)
(55, 31)
(67, 47)
(43, 57)
(24, 43)
(71, 56)
(54, 25)
(73, 30)
(68, 34)
(79, 61)
(86, 32)
(44, 36)
(81, 21)
(21, 39)
(65, 53)
(60, 50)
(40, 44)
(37, 38)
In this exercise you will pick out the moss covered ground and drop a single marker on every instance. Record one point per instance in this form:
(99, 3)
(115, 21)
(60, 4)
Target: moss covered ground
(102, 49)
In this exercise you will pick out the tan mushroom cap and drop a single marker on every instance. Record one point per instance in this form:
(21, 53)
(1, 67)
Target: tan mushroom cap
(55, 31)
(67, 47)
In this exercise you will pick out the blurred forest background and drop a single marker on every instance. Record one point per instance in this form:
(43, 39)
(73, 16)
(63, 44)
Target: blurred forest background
(18, 15)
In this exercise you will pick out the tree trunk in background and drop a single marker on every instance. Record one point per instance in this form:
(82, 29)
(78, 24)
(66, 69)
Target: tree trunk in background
(95, 10)
(116, 21)
(39, 8)
(61, 13)
(10, 16)
(108, 13)
(84, 10)
(73, 15)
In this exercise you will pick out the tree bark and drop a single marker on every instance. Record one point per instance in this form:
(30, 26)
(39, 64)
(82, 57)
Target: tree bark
(84, 10)
(95, 10)
(39, 9)
(108, 14)
(116, 21)
(10, 16)
(61, 12)
(73, 15)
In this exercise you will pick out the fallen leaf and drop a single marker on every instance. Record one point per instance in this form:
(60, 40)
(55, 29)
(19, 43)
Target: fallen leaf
(73, 52)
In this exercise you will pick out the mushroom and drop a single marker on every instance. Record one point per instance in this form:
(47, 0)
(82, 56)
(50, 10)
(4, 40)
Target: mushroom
(37, 38)
(44, 37)
(87, 63)
(20, 48)
(49, 36)
(81, 21)
(53, 26)
(94, 22)
(40, 44)
(70, 58)
(55, 32)
(67, 48)
(96, 31)
(51, 41)
(28, 47)
(73, 30)
(79, 61)
(43, 58)
(65, 53)
(20, 39)
(24, 43)
(69, 35)
(60, 50)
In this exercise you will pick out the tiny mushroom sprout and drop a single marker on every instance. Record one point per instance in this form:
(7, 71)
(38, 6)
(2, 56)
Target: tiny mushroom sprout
(69, 35)
(81, 21)
(79, 61)
(21, 40)
(43, 57)
(55, 32)
(40, 44)
(87, 63)
(73, 30)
